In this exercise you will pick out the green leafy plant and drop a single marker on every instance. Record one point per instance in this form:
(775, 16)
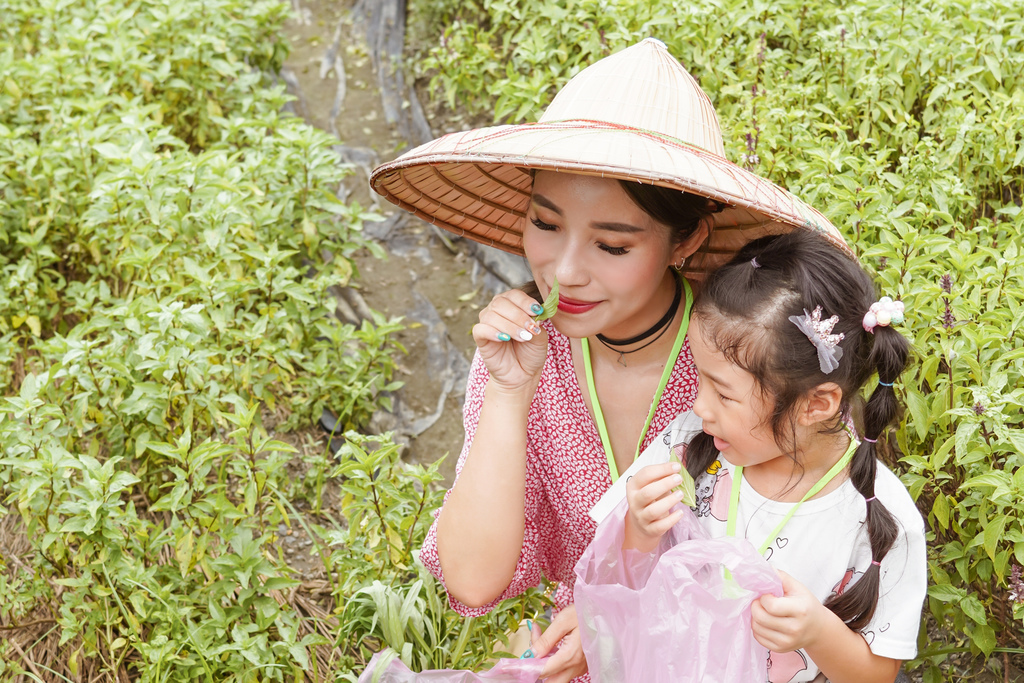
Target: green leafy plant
(688, 487)
(169, 241)
(389, 598)
(550, 304)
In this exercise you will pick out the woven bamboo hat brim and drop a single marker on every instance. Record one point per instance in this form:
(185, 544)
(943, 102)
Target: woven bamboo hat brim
(637, 115)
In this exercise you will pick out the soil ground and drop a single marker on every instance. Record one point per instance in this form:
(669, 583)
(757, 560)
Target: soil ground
(421, 279)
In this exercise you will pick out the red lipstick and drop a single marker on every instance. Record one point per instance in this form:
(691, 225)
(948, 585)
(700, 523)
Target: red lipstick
(574, 307)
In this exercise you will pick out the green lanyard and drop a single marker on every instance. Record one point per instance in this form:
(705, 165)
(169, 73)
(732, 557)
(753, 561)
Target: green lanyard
(734, 496)
(666, 373)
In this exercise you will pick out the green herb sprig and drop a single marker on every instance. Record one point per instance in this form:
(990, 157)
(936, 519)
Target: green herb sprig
(550, 303)
(688, 487)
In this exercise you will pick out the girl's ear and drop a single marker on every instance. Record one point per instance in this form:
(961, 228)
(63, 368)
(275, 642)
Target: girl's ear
(821, 403)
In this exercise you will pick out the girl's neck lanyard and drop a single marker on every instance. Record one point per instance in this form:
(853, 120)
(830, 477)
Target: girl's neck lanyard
(734, 495)
(666, 373)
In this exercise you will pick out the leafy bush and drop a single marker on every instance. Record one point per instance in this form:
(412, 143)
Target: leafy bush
(375, 576)
(902, 124)
(167, 241)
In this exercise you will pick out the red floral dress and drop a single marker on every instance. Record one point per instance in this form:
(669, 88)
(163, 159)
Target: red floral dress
(566, 469)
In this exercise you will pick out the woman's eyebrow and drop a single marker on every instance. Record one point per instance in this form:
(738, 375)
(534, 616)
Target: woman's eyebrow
(603, 225)
(546, 203)
(618, 227)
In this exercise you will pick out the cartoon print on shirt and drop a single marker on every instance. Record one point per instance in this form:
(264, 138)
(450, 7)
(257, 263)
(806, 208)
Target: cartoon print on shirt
(712, 488)
(845, 581)
(704, 487)
(784, 666)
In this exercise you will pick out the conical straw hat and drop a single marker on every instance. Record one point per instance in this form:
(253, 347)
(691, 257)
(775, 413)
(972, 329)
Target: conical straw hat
(637, 115)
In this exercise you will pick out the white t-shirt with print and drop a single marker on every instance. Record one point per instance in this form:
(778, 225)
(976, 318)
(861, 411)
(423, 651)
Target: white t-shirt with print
(824, 545)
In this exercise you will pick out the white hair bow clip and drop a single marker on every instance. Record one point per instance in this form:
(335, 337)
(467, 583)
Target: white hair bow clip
(820, 333)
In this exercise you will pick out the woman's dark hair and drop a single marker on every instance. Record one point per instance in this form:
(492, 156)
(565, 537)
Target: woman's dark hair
(681, 211)
(744, 311)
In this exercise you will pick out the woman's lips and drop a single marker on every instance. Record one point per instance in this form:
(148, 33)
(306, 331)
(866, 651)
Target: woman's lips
(572, 306)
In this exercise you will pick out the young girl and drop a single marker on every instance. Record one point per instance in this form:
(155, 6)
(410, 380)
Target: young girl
(784, 337)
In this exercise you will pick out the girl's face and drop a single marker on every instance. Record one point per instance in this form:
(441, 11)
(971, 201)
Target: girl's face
(610, 257)
(730, 403)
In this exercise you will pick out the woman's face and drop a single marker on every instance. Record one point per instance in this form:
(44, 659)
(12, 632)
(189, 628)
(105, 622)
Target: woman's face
(610, 257)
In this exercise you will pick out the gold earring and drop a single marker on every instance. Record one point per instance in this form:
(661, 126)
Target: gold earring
(679, 266)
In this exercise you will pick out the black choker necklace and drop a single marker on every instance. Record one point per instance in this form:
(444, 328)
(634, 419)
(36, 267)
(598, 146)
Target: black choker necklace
(658, 327)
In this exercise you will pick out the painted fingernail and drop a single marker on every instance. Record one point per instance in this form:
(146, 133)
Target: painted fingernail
(529, 625)
(536, 309)
(535, 328)
(525, 336)
(504, 337)
(528, 654)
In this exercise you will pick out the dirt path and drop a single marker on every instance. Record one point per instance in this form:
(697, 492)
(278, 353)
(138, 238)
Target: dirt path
(438, 284)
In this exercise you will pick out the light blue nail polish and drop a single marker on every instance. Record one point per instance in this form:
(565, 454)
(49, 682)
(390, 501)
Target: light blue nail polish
(528, 654)
(529, 625)
(537, 309)
(503, 337)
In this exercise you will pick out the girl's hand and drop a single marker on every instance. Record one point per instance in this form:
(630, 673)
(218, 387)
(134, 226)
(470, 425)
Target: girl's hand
(790, 622)
(568, 662)
(651, 497)
(512, 345)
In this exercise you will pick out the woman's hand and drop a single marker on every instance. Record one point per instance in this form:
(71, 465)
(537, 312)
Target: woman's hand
(651, 494)
(568, 662)
(790, 622)
(512, 345)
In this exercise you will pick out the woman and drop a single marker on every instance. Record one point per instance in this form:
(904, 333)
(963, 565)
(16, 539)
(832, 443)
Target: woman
(622, 183)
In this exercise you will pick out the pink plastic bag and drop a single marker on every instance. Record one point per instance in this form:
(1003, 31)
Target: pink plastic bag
(671, 616)
(392, 670)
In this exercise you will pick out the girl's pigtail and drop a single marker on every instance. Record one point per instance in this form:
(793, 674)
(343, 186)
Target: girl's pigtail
(700, 454)
(856, 605)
